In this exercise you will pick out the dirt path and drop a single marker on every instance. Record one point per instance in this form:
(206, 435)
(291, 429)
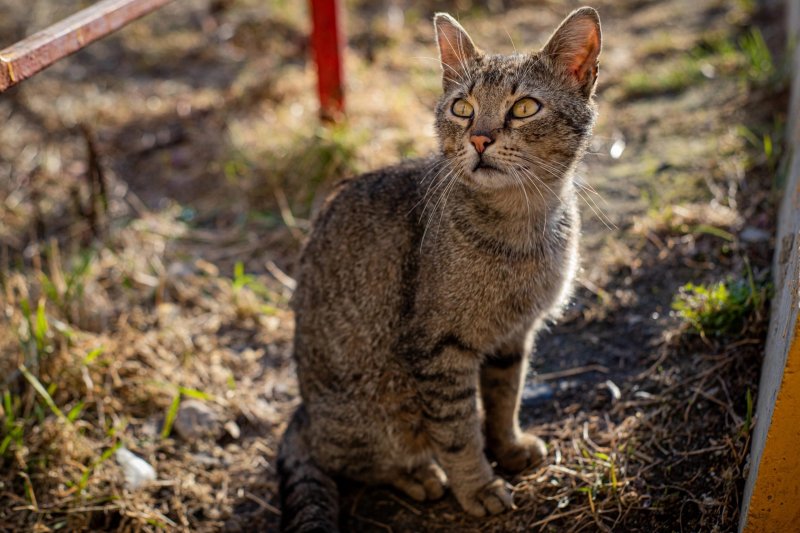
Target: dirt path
(203, 117)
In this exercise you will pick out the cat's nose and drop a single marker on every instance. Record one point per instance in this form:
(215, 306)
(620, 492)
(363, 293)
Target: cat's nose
(480, 141)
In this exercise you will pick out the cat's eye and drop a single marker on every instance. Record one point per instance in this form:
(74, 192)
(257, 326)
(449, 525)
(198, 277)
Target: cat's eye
(527, 107)
(462, 108)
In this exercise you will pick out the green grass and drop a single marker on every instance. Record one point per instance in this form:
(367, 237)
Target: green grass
(760, 67)
(13, 428)
(87, 471)
(242, 280)
(174, 406)
(44, 393)
(720, 308)
(674, 77)
(747, 57)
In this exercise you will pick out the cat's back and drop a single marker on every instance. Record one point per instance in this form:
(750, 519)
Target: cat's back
(360, 240)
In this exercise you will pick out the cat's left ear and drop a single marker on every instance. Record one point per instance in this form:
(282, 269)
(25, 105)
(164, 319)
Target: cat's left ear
(575, 47)
(456, 49)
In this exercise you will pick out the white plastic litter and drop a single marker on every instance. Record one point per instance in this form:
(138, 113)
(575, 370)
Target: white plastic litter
(137, 470)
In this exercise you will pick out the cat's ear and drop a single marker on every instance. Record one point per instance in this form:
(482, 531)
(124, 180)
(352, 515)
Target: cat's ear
(575, 47)
(456, 49)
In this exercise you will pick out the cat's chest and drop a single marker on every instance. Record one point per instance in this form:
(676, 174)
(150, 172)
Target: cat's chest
(485, 290)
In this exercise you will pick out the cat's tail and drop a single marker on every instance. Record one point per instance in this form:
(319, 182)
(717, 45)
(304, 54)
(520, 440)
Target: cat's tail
(309, 497)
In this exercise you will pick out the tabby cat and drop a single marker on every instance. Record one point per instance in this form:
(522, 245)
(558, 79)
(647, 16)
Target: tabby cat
(423, 285)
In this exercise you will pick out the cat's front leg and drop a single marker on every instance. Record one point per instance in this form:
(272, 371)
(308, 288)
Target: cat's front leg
(447, 382)
(502, 380)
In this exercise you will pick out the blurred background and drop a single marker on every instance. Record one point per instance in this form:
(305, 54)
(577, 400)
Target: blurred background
(157, 186)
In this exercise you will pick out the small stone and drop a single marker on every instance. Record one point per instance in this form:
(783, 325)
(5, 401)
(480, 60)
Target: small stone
(137, 471)
(617, 148)
(536, 394)
(613, 389)
(196, 420)
(233, 429)
(752, 234)
(179, 269)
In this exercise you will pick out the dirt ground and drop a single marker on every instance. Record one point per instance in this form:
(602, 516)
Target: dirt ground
(157, 187)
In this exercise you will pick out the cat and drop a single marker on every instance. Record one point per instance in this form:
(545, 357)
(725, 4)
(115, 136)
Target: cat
(423, 285)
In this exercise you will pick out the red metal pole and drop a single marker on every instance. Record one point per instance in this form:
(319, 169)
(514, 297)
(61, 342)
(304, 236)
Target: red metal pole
(326, 43)
(27, 57)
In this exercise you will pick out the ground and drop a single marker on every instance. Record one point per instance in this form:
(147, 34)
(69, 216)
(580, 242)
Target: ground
(156, 189)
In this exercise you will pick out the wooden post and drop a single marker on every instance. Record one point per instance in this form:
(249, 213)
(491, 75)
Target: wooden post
(37, 52)
(326, 42)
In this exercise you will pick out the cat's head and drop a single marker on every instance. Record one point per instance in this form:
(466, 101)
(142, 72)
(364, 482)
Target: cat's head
(523, 118)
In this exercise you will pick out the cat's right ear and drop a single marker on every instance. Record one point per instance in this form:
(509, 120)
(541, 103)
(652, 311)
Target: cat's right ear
(456, 49)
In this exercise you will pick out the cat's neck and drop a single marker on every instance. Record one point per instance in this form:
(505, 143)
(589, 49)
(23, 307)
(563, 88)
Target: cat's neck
(508, 216)
(523, 206)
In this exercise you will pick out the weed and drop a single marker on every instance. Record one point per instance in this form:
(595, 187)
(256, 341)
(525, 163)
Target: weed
(312, 159)
(44, 393)
(767, 141)
(760, 67)
(175, 405)
(87, 472)
(673, 78)
(172, 413)
(720, 308)
(748, 420)
(92, 355)
(241, 281)
(12, 428)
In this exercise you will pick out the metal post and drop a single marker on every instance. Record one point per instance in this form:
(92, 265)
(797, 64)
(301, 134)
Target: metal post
(326, 42)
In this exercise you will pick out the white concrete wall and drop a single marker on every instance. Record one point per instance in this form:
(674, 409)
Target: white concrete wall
(776, 472)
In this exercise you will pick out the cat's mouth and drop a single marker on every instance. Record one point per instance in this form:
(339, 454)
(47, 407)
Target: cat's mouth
(481, 164)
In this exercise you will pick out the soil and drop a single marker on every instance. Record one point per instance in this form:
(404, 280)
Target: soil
(200, 121)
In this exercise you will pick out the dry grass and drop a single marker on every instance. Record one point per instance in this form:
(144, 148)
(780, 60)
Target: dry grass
(146, 259)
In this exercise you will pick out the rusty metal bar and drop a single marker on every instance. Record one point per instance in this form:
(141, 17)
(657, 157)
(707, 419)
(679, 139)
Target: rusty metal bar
(37, 52)
(327, 44)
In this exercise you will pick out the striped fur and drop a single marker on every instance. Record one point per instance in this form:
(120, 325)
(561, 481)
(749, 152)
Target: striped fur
(423, 286)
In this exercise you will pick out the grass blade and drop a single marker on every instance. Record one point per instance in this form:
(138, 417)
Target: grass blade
(171, 414)
(196, 394)
(40, 331)
(94, 354)
(38, 387)
(75, 412)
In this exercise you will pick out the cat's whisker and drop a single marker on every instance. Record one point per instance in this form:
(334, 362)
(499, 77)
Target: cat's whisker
(438, 188)
(533, 179)
(540, 180)
(441, 165)
(588, 187)
(512, 40)
(599, 213)
(523, 171)
(519, 180)
(556, 173)
(448, 180)
(579, 188)
(446, 197)
(433, 188)
(589, 201)
(461, 82)
(555, 166)
(441, 201)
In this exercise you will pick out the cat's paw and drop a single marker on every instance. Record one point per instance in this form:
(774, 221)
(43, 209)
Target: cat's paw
(426, 482)
(525, 452)
(492, 498)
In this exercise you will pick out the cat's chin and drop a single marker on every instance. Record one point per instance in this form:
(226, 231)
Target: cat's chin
(486, 177)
